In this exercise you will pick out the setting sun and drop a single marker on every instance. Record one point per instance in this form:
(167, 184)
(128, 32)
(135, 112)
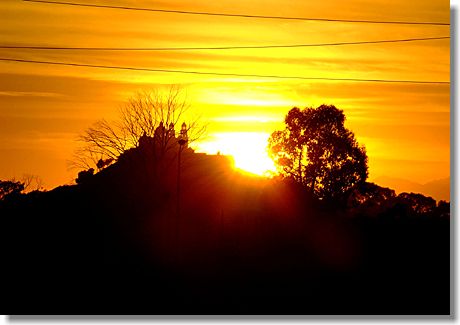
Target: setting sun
(248, 150)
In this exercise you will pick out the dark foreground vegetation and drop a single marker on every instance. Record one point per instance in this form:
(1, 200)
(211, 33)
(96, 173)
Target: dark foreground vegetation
(122, 242)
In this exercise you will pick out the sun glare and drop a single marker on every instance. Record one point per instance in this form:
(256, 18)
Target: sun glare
(248, 149)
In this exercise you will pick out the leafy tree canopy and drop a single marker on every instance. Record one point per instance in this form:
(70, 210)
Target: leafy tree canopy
(10, 187)
(316, 150)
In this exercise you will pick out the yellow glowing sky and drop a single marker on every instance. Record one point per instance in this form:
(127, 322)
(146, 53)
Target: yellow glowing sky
(405, 127)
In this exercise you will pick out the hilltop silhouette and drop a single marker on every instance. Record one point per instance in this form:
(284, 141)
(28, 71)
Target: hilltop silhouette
(117, 243)
(161, 229)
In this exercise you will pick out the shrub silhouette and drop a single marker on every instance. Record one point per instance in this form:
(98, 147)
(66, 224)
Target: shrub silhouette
(10, 188)
(370, 199)
(84, 176)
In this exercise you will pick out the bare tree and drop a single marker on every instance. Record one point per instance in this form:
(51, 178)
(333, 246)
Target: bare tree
(142, 115)
(32, 183)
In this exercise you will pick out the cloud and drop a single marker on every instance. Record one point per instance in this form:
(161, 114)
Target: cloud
(28, 94)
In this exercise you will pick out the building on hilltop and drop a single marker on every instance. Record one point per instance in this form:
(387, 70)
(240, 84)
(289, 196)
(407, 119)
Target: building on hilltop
(165, 141)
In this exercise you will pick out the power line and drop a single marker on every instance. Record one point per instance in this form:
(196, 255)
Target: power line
(31, 47)
(221, 73)
(240, 15)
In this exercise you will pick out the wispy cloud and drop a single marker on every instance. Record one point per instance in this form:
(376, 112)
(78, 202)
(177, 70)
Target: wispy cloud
(28, 94)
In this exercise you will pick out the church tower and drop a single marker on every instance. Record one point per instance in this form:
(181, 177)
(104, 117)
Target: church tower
(183, 136)
(171, 132)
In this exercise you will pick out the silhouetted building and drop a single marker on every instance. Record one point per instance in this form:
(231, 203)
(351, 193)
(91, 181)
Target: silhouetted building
(171, 131)
(183, 136)
(164, 141)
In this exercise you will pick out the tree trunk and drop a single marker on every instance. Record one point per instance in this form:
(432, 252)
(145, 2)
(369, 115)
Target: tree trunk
(300, 167)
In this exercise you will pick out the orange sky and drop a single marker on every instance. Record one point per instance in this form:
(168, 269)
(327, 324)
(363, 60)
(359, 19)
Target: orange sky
(405, 127)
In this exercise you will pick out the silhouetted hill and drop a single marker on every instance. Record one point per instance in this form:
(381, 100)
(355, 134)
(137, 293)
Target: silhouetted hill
(438, 189)
(132, 239)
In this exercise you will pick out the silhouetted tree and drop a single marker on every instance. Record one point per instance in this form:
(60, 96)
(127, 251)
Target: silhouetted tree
(370, 199)
(32, 183)
(318, 151)
(9, 188)
(142, 115)
(415, 204)
(443, 209)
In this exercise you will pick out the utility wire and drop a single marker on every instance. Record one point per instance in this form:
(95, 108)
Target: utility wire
(222, 14)
(222, 74)
(31, 47)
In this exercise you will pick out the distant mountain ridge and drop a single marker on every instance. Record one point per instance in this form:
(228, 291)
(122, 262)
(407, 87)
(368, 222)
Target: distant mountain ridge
(438, 189)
